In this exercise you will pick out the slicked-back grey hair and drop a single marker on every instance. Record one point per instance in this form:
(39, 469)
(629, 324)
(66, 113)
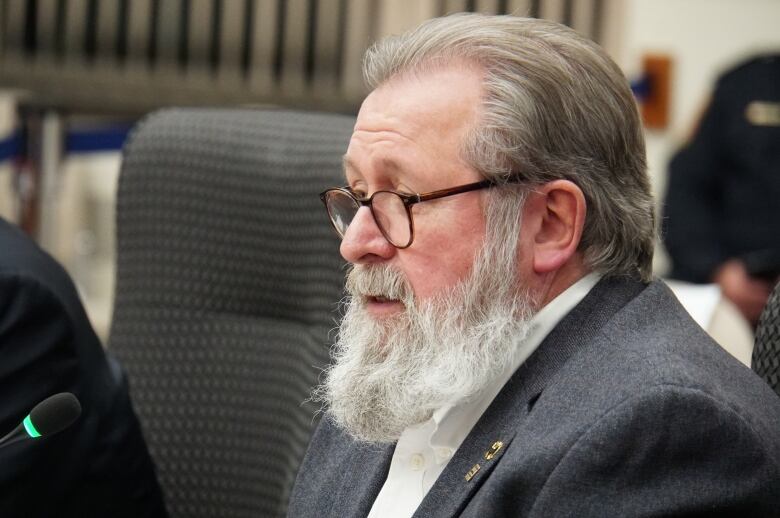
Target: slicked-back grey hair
(555, 106)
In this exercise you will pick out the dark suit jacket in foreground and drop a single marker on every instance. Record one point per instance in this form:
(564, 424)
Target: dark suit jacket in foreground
(99, 466)
(626, 409)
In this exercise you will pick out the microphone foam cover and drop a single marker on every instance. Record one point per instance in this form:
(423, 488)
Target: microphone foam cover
(55, 413)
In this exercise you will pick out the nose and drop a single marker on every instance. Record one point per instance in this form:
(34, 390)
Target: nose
(363, 242)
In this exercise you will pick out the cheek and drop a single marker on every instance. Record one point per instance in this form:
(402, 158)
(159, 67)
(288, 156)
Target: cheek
(443, 255)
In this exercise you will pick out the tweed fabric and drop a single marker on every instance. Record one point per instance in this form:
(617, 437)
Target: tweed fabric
(766, 351)
(228, 280)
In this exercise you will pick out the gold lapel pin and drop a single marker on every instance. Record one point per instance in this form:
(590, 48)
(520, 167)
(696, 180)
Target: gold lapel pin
(493, 450)
(473, 471)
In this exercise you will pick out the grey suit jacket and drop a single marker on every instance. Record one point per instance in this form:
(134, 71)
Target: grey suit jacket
(627, 408)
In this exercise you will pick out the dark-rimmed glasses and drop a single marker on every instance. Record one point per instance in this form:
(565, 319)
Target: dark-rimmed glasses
(391, 210)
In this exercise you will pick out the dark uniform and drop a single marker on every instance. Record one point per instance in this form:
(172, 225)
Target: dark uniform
(723, 198)
(98, 467)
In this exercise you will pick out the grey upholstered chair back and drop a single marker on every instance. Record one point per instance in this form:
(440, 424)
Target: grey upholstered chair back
(228, 280)
(766, 351)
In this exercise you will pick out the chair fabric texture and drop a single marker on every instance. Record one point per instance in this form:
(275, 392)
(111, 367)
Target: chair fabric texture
(228, 283)
(766, 351)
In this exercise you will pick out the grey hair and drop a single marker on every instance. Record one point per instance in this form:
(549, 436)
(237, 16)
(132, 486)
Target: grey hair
(554, 106)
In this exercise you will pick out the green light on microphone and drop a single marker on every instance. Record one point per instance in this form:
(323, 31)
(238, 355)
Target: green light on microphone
(31, 431)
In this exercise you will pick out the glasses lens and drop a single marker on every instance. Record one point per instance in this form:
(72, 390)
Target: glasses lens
(341, 209)
(391, 216)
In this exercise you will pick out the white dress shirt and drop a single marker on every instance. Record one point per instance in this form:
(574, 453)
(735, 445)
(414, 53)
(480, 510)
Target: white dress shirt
(423, 450)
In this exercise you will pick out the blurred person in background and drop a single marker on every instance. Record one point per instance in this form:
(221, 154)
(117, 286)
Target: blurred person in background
(722, 208)
(97, 467)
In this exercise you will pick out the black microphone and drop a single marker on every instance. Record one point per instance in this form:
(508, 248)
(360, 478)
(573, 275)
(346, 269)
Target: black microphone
(52, 415)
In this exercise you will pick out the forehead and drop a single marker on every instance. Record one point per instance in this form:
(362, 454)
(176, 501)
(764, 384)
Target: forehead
(440, 99)
(420, 117)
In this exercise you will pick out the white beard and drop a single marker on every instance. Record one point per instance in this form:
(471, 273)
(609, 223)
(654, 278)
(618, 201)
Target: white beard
(393, 373)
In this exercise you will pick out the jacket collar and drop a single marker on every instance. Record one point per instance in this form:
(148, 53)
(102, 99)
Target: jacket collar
(494, 432)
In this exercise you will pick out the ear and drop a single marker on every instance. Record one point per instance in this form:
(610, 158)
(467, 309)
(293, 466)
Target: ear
(558, 216)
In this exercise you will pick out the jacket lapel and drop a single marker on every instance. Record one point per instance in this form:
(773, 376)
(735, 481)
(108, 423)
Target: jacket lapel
(365, 471)
(339, 476)
(492, 435)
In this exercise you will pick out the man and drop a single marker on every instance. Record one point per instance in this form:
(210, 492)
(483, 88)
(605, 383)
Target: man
(722, 211)
(504, 351)
(98, 466)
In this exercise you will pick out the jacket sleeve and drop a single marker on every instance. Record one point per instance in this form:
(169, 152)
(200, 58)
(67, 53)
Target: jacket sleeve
(38, 360)
(691, 227)
(671, 451)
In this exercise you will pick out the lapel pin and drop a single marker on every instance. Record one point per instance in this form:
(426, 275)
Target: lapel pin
(473, 471)
(493, 450)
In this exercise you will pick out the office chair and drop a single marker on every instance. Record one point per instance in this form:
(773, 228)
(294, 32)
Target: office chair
(228, 280)
(766, 352)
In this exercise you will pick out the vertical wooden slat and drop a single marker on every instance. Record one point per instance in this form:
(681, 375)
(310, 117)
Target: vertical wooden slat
(281, 25)
(311, 37)
(453, 6)
(153, 34)
(138, 31)
(3, 15)
(358, 38)
(75, 17)
(168, 24)
(535, 8)
(47, 28)
(552, 10)
(215, 39)
(582, 17)
(326, 46)
(247, 30)
(60, 28)
(568, 12)
(90, 30)
(107, 28)
(261, 76)
(182, 36)
(14, 25)
(397, 16)
(486, 6)
(342, 41)
(607, 32)
(519, 7)
(199, 37)
(232, 39)
(30, 39)
(293, 57)
(122, 26)
(599, 22)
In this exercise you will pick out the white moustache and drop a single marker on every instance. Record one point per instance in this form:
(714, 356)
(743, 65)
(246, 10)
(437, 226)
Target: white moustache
(379, 281)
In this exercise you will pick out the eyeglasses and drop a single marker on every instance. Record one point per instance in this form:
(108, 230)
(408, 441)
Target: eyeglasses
(391, 210)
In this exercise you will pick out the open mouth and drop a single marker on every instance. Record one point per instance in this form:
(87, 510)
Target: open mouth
(382, 306)
(381, 300)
